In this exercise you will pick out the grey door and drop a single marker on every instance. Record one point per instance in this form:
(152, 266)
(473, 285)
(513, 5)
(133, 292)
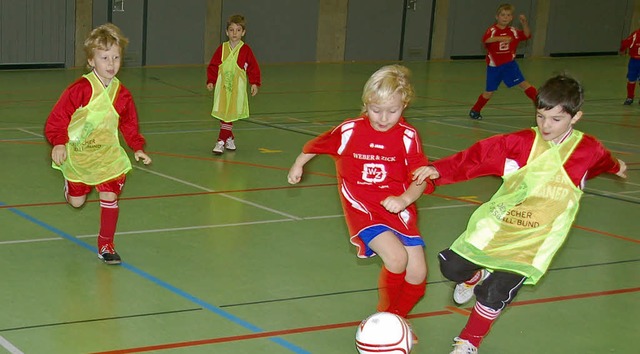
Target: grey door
(416, 39)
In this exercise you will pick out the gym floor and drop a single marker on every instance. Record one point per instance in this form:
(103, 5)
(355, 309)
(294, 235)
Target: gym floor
(222, 255)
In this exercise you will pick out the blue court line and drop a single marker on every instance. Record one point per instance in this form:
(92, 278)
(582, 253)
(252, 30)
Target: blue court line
(161, 283)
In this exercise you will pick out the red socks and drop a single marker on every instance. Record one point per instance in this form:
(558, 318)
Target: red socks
(396, 295)
(480, 103)
(389, 287)
(225, 131)
(409, 297)
(631, 89)
(479, 323)
(532, 93)
(108, 220)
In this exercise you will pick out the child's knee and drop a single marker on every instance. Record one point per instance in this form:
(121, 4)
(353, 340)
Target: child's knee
(499, 289)
(454, 267)
(76, 202)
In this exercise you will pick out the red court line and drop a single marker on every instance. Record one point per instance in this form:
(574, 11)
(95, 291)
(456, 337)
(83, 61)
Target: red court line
(159, 196)
(620, 237)
(606, 233)
(350, 324)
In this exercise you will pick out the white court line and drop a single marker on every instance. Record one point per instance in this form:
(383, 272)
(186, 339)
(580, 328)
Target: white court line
(186, 228)
(221, 194)
(9, 347)
(30, 132)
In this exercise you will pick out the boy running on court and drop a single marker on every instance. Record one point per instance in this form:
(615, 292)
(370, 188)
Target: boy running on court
(375, 155)
(232, 66)
(511, 239)
(632, 45)
(83, 129)
(501, 42)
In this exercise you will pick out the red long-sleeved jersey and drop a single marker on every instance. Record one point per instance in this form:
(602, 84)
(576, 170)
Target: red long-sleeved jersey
(78, 95)
(632, 43)
(500, 154)
(246, 61)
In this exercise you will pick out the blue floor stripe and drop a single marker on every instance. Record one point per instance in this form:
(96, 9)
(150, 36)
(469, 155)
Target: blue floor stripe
(161, 283)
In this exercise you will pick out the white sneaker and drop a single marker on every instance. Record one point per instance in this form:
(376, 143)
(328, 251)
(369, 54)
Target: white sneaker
(219, 148)
(230, 144)
(464, 291)
(463, 346)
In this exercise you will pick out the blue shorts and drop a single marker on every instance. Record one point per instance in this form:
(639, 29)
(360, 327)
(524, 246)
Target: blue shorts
(508, 73)
(368, 234)
(633, 70)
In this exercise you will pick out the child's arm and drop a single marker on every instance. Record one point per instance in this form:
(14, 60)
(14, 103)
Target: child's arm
(59, 154)
(423, 173)
(213, 67)
(525, 26)
(626, 44)
(128, 125)
(295, 172)
(57, 124)
(623, 169)
(141, 155)
(396, 204)
(506, 39)
(253, 70)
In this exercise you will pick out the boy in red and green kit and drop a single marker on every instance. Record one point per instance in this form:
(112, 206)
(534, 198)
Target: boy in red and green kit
(83, 129)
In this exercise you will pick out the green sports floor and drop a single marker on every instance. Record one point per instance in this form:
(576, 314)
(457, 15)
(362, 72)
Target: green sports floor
(222, 255)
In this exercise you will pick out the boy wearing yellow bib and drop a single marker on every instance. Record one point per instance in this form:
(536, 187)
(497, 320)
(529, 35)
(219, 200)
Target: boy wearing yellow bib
(83, 129)
(511, 239)
(232, 67)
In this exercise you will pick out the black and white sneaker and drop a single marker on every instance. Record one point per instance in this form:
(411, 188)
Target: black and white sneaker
(475, 115)
(109, 255)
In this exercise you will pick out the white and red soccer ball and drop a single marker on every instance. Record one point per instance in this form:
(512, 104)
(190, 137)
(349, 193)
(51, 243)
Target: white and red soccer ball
(384, 332)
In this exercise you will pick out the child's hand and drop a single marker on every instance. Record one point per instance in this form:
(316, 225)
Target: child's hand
(254, 90)
(141, 155)
(210, 86)
(59, 154)
(523, 19)
(394, 204)
(295, 174)
(422, 173)
(623, 169)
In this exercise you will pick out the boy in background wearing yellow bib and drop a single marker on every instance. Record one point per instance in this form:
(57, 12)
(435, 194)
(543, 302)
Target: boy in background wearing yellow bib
(511, 239)
(232, 66)
(83, 129)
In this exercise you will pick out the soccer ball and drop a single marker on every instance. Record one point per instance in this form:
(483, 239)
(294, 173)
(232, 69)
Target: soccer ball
(384, 332)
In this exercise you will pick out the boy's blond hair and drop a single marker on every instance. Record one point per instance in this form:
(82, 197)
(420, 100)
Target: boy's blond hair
(386, 82)
(238, 20)
(104, 37)
(505, 7)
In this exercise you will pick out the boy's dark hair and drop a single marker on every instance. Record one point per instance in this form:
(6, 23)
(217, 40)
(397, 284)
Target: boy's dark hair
(561, 90)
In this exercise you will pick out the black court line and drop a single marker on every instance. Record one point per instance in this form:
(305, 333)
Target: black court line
(99, 319)
(429, 283)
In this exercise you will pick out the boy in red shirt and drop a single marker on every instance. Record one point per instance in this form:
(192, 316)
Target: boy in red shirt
(83, 129)
(511, 240)
(632, 44)
(232, 65)
(375, 156)
(501, 41)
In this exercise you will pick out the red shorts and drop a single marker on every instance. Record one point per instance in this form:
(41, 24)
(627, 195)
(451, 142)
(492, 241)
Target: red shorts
(78, 189)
